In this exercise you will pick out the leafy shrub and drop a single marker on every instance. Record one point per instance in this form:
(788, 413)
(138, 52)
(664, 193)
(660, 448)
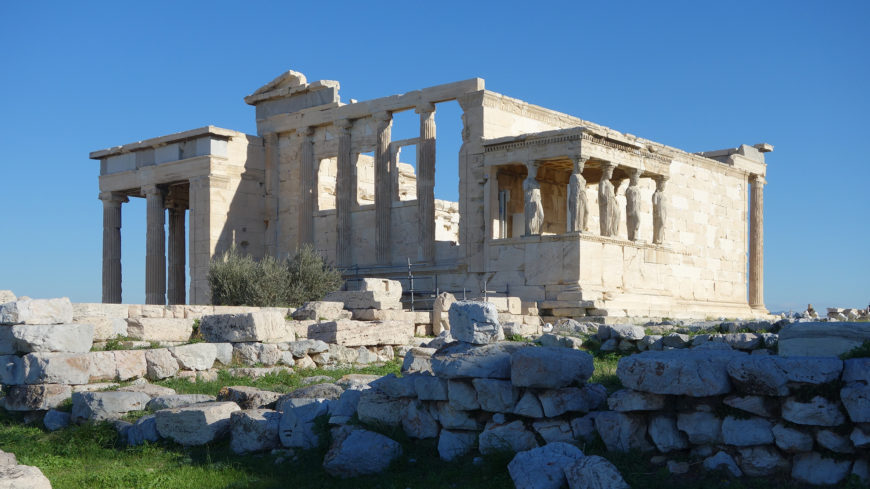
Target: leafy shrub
(862, 351)
(239, 280)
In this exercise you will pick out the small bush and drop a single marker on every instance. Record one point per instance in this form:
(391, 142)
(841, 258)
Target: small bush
(239, 280)
(862, 351)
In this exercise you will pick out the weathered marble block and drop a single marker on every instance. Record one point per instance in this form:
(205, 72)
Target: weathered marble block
(550, 367)
(160, 329)
(38, 397)
(347, 332)
(822, 339)
(263, 326)
(56, 368)
(37, 311)
(69, 338)
(678, 372)
(475, 322)
(197, 424)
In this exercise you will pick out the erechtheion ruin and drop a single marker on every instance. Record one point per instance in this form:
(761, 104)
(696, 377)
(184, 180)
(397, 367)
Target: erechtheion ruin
(574, 218)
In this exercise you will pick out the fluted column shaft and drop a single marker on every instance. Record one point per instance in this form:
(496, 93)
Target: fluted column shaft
(155, 249)
(426, 182)
(270, 143)
(176, 289)
(345, 195)
(112, 246)
(383, 198)
(309, 188)
(756, 242)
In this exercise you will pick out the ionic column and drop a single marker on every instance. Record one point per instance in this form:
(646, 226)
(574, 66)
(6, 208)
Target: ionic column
(112, 246)
(578, 208)
(270, 144)
(756, 242)
(155, 249)
(176, 290)
(632, 205)
(345, 195)
(426, 182)
(660, 210)
(308, 183)
(383, 198)
(534, 209)
(607, 216)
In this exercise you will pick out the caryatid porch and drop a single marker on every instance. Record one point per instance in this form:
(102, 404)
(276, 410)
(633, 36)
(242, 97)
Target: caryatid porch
(588, 207)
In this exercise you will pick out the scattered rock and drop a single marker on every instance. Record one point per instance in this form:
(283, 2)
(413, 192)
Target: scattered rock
(356, 452)
(550, 367)
(248, 397)
(453, 444)
(817, 412)
(99, 406)
(176, 401)
(461, 360)
(55, 420)
(513, 437)
(22, 477)
(475, 322)
(254, 430)
(678, 372)
(197, 424)
(813, 468)
(594, 472)
(723, 462)
(267, 326)
(622, 432)
(543, 467)
(37, 311)
(746, 432)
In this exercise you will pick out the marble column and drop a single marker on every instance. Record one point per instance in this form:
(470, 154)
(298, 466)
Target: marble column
(155, 248)
(756, 242)
(578, 207)
(383, 190)
(270, 145)
(345, 195)
(534, 209)
(607, 202)
(660, 210)
(632, 205)
(112, 246)
(176, 282)
(308, 184)
(426, 182)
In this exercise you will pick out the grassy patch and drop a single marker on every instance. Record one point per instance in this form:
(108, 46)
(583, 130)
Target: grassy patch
(277, 382)
(605, 370)
(862, 351)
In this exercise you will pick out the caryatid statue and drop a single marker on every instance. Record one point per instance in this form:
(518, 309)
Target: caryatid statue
(608, 210)
(632, 205)
(660, 210)
(534, 209)
(578, 208)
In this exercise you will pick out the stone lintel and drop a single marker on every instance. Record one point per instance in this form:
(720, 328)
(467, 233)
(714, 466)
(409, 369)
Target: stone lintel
(215, 131)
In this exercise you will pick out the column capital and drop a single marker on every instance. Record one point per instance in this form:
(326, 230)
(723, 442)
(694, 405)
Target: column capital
(113, 198)
(343, 125)
(757, 179)
(425, 108)
(383, 117)
(306, 131)
(151, 189)
(634, 175)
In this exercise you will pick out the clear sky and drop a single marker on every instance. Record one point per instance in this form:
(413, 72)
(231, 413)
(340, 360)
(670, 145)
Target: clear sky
(80, 76)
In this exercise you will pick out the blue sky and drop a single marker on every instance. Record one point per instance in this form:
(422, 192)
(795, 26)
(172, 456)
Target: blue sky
(81, 76)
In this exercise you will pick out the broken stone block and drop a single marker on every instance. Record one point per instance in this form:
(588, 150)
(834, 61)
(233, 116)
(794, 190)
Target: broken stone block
(351, 333)
(105, 328)
(7, 296)
(594, 472)
(665, 435)
(376, 408)
(430, 388)
(197, 424)
(723, 462)
(254, 430)
(305, 347)
(160, 329)
(356, 452)
(144, 429)
(572, 399)
(296, 428)
(543, 467)
(326, 390)
(418, 359)
(321, 311)
(198, 356)
(462, 395)
(56, 368)
(625, 400)
(417, 422)
(513, 437)
(553, 430)
(160, 364)
(762, 461)
(550, 367)
(678, 372)
(262, 326)
(462, 360)
(816, 469)
(248, 397)
(856, 400)
(69, 338)
(701, 427)
(151, 389)
(36, 397)
(818, 411)
(177, 400)
(494, 395)
(22, 477)
(254, 353)
(746, 432)
(475, 322)
(370, 294)
(622, 432)
(99, 406)
(130, 364)
(56, 420)
(37, 311)
(453, 444)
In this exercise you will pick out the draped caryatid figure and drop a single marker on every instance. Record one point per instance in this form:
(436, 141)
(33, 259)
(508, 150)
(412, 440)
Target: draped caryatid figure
(608, 208)
(534, 208)
(660, 211)
(632, 205)
(578, 208)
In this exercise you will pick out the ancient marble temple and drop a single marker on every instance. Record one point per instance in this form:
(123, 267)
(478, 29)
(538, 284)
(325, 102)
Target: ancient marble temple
(575, 218)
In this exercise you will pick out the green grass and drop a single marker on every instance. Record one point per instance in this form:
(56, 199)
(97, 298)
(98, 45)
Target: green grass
(862, 351)
(277, 382)
(605, 370)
